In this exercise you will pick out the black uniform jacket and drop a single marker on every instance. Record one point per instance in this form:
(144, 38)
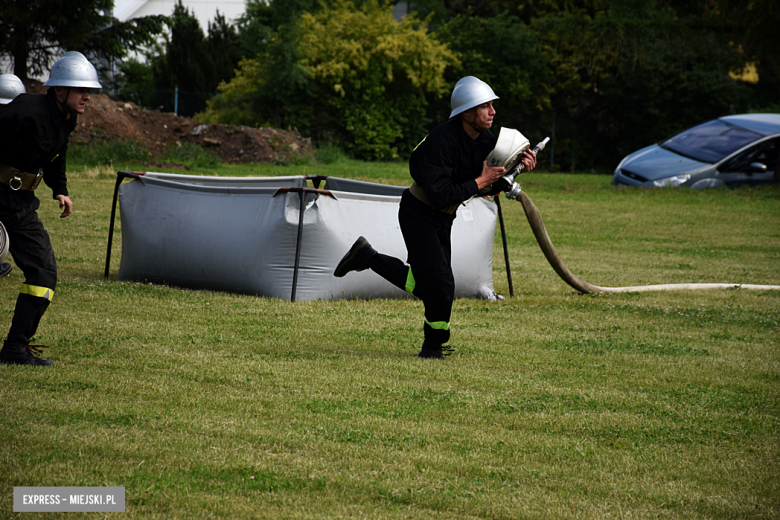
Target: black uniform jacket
(447, 162)
(34, 135)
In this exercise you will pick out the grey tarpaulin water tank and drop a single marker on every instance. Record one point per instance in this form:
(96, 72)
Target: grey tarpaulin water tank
(240, 234)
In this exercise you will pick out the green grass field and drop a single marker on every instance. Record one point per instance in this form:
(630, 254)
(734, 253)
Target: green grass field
(554, 404)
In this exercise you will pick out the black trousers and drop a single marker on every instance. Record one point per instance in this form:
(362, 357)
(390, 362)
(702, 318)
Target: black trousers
(31, 250)
(429, 273)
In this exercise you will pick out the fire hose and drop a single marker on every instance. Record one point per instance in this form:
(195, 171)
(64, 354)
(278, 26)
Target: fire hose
(514, 192)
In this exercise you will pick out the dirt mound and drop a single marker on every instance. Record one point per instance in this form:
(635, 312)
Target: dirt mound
(108, 120)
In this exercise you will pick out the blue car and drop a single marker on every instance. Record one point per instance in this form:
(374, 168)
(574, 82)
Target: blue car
(731, 151)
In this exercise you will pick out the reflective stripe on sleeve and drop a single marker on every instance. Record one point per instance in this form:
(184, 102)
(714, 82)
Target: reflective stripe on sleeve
(410, 283)
(439, 325)
(421, 142)
(40, 292)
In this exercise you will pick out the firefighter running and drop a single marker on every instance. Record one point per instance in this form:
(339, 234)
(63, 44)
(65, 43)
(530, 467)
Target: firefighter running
(34, 131)
(448, 168)
(10, 87)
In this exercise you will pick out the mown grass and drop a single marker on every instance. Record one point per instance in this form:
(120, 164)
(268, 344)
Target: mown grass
(554, 405)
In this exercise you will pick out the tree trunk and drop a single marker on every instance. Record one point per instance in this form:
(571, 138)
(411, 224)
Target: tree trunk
(20, 64)
(20, 48)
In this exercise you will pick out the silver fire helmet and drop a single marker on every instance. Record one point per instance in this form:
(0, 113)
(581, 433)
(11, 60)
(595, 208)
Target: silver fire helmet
(74, 54)
(73, 70)
(4, 242)
(470, 92)
(10, 87)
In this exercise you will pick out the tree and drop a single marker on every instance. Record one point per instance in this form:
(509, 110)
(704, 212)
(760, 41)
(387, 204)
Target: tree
(372, 74)
(185, 62)
(224, 46)
(634, 73)
(511, 61)
(619, 73)
(135, 82)
(342, 73)
(35, 32)
(270, 87)
(192, 62)
(263, 21)
(531, 10)
(753, 27)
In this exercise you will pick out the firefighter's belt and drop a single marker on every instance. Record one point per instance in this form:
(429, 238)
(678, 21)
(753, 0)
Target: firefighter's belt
(19, 180)
(419, 194)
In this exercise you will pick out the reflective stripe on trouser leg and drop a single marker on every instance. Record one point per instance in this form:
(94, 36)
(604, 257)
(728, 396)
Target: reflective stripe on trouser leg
(438, 302)
(391, 269)
(436, 288)
(30, 247)
(438, 325)
(428, 242)
(34, 290)
(436, 336)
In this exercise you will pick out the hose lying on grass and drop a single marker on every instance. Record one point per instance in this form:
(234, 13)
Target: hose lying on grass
(535, 220)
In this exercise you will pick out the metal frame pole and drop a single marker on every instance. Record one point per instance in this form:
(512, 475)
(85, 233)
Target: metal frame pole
(120, 176)
(302, 192)
(506, 251)
(298, 244)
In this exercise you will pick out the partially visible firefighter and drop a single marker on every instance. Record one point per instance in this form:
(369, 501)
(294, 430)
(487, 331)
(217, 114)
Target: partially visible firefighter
(34, 131)
(448, 168)
(10, 87)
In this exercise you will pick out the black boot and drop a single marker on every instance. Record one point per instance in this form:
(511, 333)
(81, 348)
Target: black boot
(356, 259)
(5, 269)
(434, 351)
(26, 355)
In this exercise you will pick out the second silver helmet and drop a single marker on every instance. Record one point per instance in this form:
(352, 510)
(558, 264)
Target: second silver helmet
(10, 87)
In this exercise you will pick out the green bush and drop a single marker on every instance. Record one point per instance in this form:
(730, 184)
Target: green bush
(131, 151)
(297, 160)
(107, 153)
(190, 154)
(329, 154)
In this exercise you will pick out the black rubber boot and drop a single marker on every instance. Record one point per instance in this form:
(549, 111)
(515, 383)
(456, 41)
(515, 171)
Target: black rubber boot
(434, 351)
(26, 355)
(356, 259)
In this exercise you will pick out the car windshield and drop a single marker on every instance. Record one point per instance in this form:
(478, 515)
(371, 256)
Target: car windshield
(711, 141)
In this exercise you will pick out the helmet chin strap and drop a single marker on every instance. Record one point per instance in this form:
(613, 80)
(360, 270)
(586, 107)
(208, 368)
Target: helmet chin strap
(63, 106)
(472, 124)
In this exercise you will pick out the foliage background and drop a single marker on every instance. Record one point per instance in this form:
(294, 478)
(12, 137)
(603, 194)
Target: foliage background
(33, 33)
(603, 77)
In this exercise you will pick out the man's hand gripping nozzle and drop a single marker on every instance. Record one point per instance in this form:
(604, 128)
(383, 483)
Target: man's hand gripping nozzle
(513, 190)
